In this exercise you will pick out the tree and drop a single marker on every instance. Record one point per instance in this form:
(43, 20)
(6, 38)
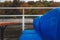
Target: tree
(46, 3)
(15, 3)
(31, 2)
(7, 3)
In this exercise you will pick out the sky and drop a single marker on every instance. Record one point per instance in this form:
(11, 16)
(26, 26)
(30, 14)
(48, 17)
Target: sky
(31, 0)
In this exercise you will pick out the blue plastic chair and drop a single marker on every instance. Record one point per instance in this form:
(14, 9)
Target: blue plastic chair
(50, 25)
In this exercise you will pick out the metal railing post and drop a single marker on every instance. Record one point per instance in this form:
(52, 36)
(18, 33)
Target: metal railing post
(23, 23)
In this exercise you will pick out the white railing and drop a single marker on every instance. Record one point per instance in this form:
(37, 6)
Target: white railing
(11, 20)
(23, 16)
(28, 7)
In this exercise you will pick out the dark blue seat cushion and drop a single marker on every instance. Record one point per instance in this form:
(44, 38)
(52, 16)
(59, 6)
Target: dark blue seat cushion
(29, 35)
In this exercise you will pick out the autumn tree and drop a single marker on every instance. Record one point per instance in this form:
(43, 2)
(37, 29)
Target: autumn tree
(15, 3)
(7, 3)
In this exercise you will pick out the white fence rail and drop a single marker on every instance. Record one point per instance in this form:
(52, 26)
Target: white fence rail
(28, 7)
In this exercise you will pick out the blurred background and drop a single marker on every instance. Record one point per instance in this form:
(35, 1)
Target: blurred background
(26, 16)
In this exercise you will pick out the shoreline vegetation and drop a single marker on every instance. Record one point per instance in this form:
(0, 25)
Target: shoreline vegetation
(26, 4)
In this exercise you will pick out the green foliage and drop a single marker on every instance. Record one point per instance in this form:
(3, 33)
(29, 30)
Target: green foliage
(46, 3)
(31, 3)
